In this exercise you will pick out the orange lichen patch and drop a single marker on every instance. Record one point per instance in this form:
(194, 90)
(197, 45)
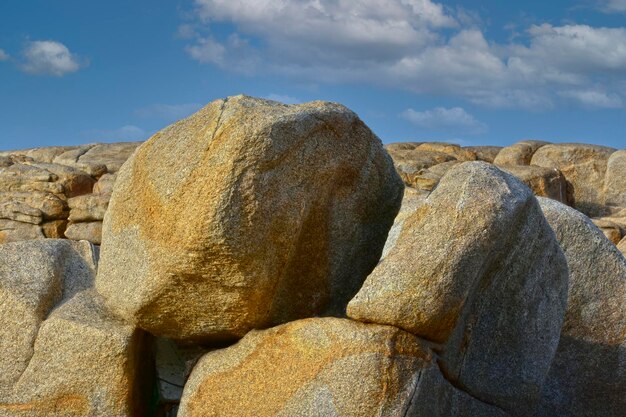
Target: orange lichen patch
(65, 405)
(329, 354)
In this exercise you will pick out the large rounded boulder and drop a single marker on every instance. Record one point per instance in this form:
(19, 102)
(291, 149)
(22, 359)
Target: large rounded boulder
(476, 269)
(247, 214)
(588, 375)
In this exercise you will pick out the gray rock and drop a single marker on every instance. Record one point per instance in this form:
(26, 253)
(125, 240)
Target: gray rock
(91, 231)
(35, 276)
(87, 208)
(588, 374)
(85, 363)
(477, 259)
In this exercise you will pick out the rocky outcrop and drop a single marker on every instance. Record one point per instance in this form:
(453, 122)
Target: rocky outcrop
(615, 180)
(520, 153)
(588, 375)
(85, 363)
(330, 367)
(584, 166)
(51, 192)
(250, 214)
(475, 260)
(196, 249)
(544, 182)
(61, 352)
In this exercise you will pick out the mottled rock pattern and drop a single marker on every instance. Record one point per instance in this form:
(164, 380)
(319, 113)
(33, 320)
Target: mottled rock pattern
(544, 182)
(476, 259)
(622, 246)
(37, 185)
(91, 231)
(588, 374)
(329, 367)
(584, 166)
(202, 229)
(35, 276)
(485, 153)
(520, 153)
(613, 231)
(85, 363)
(615, 180)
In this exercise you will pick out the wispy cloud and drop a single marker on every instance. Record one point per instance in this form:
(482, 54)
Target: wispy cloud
(50, 58)
(417, 45)
(613, 6)
(3, 55)
(594, 98)
(453, 120)
(128, 132)
(283, 98)
(168, 112)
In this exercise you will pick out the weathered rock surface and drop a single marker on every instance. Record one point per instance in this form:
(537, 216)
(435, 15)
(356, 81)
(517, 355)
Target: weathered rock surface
(195, 247)
(520, 153)
(584, 166)
(91, 231)
(34, 277)
(36, 186)
(454, 150)
(85, 363)
(615, 180)
(588, 374)
(477, 259)
(544, 182)
(622, 246)
(613, 231)
(485, 153)
(87, 208)
(330, 367)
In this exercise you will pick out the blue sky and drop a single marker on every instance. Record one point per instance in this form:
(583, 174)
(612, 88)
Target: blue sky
(75, 71)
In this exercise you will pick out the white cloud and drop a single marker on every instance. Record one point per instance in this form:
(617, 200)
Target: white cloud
(49, 58)
(415, 45)
(455, 119)
(283, 98)
(207, 50)
(3, 55)
(612, 6)
(594, 98)
(128, 132)
(168, 112)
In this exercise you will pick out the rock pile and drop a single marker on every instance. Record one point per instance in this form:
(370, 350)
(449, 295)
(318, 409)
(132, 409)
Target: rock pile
(251, 266)
(58, 192)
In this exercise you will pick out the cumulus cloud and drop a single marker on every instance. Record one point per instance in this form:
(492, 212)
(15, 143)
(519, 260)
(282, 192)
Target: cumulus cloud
(3, 55)
(49, 58)
(455, 119)
(168, 112)
(128, 132)
(417, 45)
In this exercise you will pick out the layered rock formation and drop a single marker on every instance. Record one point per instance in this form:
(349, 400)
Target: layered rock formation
(58, 192)
(251, 266)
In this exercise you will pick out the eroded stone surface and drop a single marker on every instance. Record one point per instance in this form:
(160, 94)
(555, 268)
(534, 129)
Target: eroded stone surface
(194, 245)
(477, 258)
(330, 367)
(588, 374)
